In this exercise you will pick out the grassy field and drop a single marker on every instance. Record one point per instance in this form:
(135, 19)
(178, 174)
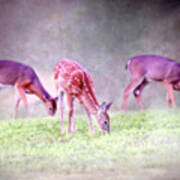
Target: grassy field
(142, 145)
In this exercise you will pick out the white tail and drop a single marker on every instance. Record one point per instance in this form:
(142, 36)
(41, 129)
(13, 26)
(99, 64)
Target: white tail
(76, 82)
(147, 68)
(25, 80)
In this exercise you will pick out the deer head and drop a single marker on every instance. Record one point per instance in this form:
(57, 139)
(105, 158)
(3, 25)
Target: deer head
(102, 117)
(51, 106)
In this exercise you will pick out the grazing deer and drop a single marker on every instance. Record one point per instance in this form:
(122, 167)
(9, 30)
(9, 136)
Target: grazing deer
(147, 68)
(25, 80)
(76, 82)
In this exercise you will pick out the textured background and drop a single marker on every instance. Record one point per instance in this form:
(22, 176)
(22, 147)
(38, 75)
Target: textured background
(101, 35)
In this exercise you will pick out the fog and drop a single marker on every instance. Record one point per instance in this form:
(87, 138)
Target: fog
(101, 35)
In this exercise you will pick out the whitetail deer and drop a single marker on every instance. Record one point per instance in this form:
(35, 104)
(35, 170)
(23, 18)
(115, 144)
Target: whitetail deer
(25, 80)
(76, 82)
(147, 68)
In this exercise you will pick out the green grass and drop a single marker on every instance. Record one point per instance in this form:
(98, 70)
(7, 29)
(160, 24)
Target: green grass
(138, 140)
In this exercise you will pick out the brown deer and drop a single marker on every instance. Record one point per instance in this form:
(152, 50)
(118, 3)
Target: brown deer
(147, 68)
(25, 80)
(76, 82)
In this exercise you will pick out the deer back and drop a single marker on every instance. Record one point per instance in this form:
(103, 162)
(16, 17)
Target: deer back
(153, 67)
(73, 78)
(11, 71)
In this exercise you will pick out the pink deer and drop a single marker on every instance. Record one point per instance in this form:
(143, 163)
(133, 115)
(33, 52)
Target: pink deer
(76, 82)
(147, 68)
(25, 80)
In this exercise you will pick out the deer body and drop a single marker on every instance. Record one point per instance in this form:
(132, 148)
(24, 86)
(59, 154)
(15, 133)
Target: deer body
(146, 68)
(25, 80)
(76, 82)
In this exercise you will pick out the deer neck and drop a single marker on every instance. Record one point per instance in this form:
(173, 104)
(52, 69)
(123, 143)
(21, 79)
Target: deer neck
(90, 102)
(45, 96)
(40, 91)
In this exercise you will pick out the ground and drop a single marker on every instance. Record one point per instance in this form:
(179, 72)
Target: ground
(142, 145)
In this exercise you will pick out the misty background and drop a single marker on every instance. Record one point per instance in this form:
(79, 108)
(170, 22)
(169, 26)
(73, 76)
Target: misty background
(101, 35)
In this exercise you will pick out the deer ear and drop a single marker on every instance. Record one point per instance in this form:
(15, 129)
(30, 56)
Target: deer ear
(56, 98)
(107, 107)
(103, 106)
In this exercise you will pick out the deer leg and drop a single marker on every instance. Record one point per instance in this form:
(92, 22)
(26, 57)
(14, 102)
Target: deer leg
(16, 106)
(61, 102)
(129, 88)
(171, 99)
(22, 96)
(73, 120)
(168, 101)
(70, 113)
(91, 129)
(138, 91)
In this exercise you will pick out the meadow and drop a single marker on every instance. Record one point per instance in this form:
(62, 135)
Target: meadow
(101, 36)
(142, 145)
